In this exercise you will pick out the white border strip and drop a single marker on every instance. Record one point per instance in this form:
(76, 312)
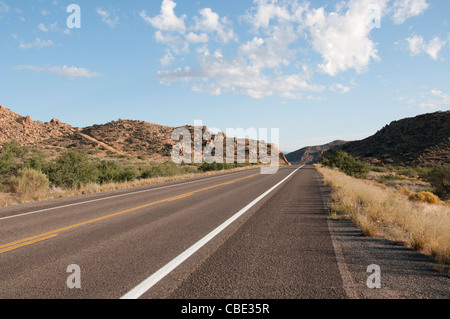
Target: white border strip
(121, 195)
(148, 283)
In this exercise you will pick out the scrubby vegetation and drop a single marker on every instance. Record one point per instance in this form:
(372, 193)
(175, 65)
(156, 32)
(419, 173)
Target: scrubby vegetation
(30, 174)
(403, 204)
(379, 210)
(424, 180)
(439, 178)
(347, 164)
(208, 167)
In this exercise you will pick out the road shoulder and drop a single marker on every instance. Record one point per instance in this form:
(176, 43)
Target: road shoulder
(404, 273)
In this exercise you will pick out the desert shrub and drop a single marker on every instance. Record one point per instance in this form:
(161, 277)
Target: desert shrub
(36, 160)
(72, 169)
(439, 178)
(30, 184)
(150, 172)
(347, 164)
(128, 174)
(7, 162)
(386, 179)
(11, 157)
(425, 197)
(405, 191)
(109, 171)
(170, 169)
(2, 185)
(379, 169)
(207, 167)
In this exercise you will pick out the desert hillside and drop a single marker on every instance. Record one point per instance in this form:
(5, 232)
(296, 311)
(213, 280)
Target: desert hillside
(421, 140)
(311, 154)
(123, 137)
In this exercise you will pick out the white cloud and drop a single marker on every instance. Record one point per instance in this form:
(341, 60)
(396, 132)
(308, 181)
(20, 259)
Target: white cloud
(167, 19)
(342, 37)
(210, 22)
(417, 45)
(38, 43)
(434, 46)
(433, 99)
(266, 10)
(340, 88)
(45, 12)
(65, 71)
(167, 59)
(108, 18)
(197, 38)
(290, 41)
(42, 27)
(404, 9)
(218, 75)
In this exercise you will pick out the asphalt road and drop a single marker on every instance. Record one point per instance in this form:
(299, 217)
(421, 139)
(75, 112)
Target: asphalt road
(238, 235)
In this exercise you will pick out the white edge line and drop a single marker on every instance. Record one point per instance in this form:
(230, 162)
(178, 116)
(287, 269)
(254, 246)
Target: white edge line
(148, 283)
(115, 196)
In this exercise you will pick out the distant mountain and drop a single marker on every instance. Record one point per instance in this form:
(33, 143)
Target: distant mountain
(122, 137)
(311, 154)
(421, 140)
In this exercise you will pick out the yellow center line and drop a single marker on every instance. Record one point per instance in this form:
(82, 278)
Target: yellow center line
(51, 234)
(27, 243)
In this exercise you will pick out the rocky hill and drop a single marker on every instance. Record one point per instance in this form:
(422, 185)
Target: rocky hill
(421, 140)
(123, 137)
(311, 154)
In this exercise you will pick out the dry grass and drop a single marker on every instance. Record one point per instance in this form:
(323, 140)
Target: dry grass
(13, 199)
(383, 211)
(30, 184)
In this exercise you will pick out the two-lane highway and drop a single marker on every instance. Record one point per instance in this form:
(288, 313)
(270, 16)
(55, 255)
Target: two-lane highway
(239, 235)
(121, 239)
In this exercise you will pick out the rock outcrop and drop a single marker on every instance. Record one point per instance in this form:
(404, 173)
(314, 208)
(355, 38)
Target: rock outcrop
(421, 140)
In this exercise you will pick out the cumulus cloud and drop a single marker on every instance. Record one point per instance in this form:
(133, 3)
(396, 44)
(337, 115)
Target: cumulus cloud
(167, 19)
(216, 74)
(197, 38)
(342, 36)
(417, 45)
(287, 43)
(210, 22)
(65, 71)
(404, 9)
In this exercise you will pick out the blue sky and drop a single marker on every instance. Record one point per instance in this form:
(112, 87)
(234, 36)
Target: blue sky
(317, 70)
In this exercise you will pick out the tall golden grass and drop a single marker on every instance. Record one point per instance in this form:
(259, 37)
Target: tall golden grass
(30, 184)
(384, 211)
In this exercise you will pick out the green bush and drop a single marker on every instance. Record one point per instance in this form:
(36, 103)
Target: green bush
(7, 163)
(439, 178)
(151, 172)
(36, 161)
(72, 169)
(128, 174)
(30, 184)
(11, 156)
(109, 171)
(207, 167)
(347, 164)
